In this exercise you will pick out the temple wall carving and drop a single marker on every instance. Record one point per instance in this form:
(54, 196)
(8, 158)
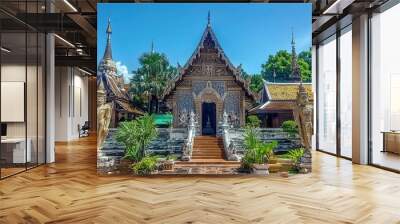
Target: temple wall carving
(232, 107)
(183, 106)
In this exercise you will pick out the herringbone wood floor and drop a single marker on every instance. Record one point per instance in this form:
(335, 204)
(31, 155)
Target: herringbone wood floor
(69, 191)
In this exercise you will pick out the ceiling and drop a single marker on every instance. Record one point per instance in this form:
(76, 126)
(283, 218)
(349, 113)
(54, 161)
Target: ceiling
(74, 22)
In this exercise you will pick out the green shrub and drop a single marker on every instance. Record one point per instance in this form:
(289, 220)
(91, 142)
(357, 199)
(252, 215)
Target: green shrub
(171, 157)
(290, 127)
(136, 135)
(295, 155)
(251, 138)
(132, 153)
(257, 152)
(253, 121)
(147, 165)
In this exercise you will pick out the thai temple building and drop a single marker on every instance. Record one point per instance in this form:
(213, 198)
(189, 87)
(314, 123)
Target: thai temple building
(209, 85)
(277, 100)
(112, 89)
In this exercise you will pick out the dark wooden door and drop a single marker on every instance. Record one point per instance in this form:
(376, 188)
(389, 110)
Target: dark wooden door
(209, 119)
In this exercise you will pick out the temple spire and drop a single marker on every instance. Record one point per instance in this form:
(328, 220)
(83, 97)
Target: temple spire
(293, 42)
(152, 47)
(209, 18)
(107, 52)
(295, 66)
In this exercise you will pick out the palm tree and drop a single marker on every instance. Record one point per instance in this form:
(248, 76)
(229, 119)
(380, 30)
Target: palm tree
(151, 78)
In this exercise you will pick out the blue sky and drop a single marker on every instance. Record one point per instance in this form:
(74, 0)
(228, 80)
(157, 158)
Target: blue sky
(247, 32)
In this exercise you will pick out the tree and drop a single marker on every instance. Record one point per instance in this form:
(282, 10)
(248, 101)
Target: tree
(256, 83)
(151, 78)
(278, 64)
(306, 56)
(281, 64)
(305, 70)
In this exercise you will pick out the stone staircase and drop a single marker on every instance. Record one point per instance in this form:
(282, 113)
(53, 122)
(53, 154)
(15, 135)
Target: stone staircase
(208, 158)
(208, 147)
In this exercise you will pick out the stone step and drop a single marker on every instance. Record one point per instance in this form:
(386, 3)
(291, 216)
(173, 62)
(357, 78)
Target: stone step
(207, 153)
(208, 146)
(208, 143)
(207, 157)
(207, 149)
(195, 162)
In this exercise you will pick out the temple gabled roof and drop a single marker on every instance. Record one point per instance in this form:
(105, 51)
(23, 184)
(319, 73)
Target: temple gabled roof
(280, 96)
(286, 91)
(208, 32)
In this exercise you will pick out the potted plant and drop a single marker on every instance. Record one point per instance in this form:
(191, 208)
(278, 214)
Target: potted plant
(263, 152)
(257, 153)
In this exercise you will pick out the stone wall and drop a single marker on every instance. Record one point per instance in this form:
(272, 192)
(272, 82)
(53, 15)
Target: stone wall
(110, 154)
(285, 142)
(168, 141)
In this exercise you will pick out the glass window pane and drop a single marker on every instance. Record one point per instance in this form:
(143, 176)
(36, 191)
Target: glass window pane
(13, 87)
(31, 97)
(327, 95)
(346, 93)
(41, 98)
(385, 84)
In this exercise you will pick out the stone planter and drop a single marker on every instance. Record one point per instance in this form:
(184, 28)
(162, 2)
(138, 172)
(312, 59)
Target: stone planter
(260, 169)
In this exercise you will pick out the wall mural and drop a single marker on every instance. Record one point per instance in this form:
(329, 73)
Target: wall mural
(158, 117)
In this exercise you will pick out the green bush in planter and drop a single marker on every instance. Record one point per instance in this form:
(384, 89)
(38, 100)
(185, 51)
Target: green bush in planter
(257, 152)
(136, 135)
(147, 165)
(290, 127)
(253, 121)
(295, 155)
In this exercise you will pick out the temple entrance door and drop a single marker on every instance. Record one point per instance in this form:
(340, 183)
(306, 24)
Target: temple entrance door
(209, 119)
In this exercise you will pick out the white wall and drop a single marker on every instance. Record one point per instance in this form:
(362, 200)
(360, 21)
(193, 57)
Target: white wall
(71, 102)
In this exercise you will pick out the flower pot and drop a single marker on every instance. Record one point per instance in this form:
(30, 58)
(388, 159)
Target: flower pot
(260, 169)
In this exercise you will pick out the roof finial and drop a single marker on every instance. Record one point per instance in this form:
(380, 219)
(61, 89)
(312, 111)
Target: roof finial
(152, 47)
(209, 18)
(293, 43)
(107, 52)
(109, 31)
